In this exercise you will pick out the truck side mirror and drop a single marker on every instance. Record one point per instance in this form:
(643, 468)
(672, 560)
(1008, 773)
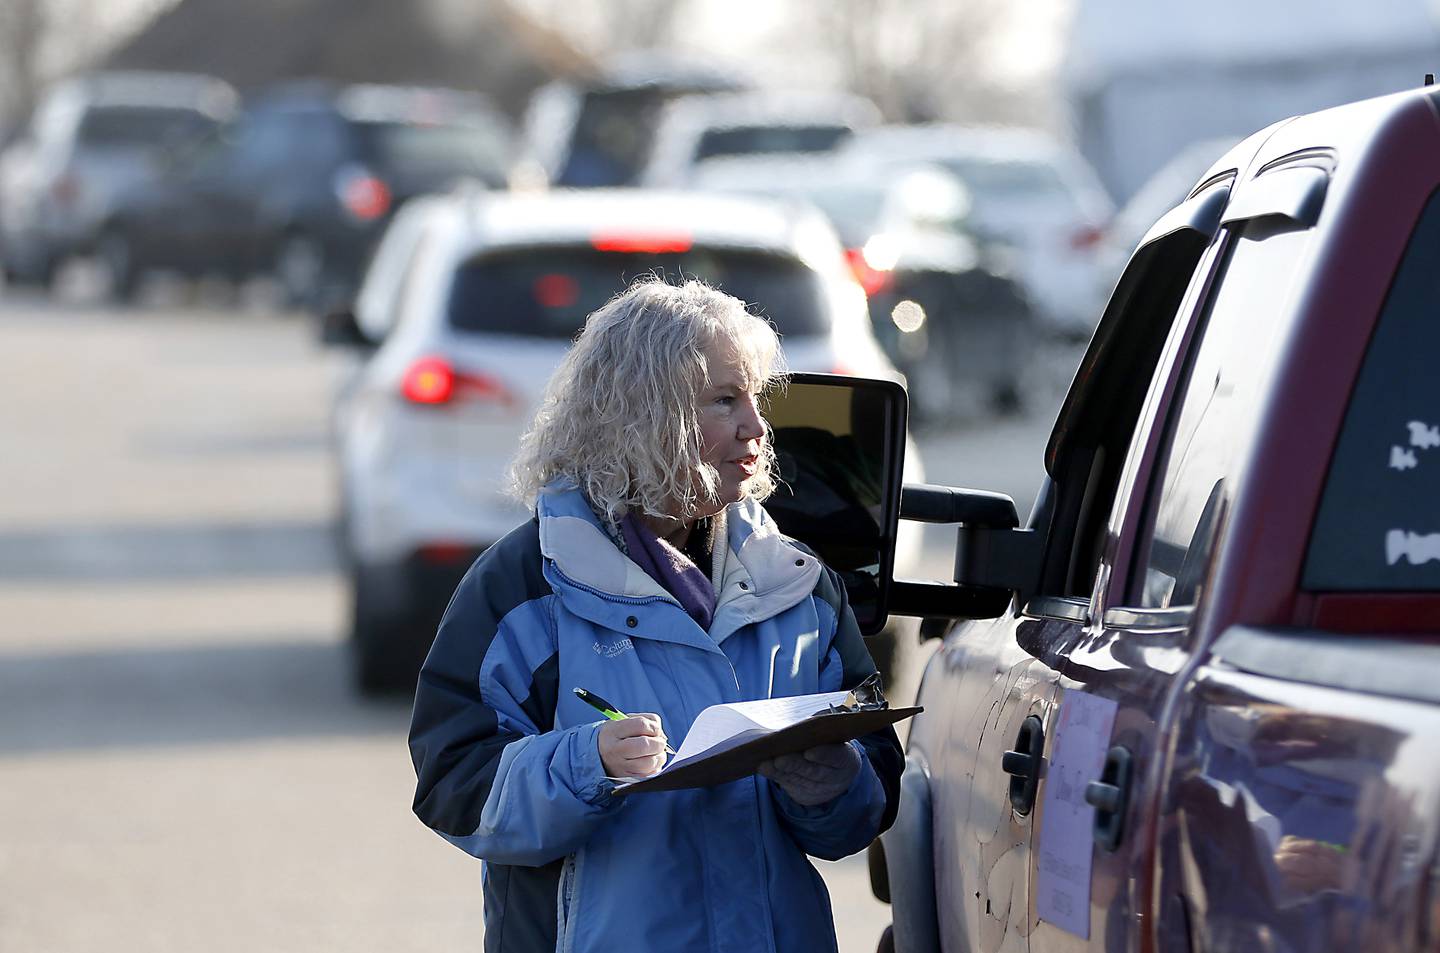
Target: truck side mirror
(839, 445)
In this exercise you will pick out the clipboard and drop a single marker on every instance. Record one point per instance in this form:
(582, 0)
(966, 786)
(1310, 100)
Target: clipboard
(741, 754)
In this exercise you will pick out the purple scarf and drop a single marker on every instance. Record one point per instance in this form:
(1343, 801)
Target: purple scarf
(672, 569)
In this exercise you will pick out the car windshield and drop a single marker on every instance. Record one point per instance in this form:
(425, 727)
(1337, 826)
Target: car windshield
(460, 148)
(141, 126)
(548, 292)
(997, 183)
(613, 134)
(754, 140)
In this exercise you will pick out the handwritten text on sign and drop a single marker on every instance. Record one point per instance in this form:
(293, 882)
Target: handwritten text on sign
(1077, 755)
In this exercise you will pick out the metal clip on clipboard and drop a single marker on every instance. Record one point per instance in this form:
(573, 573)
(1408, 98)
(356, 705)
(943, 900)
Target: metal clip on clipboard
(867, 696)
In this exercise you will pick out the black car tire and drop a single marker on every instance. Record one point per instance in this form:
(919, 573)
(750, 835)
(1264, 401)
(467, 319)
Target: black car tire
(117, 255)
(39, 274)
(383, 646)
(300, 269)
(1005, 397)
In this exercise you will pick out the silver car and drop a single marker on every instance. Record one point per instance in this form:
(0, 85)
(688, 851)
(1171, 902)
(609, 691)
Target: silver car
(92, 139)
(476, 297)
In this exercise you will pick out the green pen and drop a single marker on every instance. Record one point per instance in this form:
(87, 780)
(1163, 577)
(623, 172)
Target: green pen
(607, 709)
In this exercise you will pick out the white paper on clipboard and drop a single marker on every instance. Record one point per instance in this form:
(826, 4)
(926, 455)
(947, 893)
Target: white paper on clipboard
(1077, 756)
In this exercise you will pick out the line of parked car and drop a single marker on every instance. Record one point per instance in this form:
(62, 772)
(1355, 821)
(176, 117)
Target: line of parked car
(170, 172)
(893, 252)
(145, 172)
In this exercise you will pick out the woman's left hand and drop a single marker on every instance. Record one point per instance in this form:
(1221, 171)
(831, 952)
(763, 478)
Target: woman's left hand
(815, 776)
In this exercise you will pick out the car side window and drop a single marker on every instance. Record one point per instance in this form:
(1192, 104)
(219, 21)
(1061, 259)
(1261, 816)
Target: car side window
(387, 277)
(1378, 526)
(1221, 398)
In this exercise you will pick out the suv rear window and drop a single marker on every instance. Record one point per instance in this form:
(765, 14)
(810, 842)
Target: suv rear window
(459, 148)
(143, 126)
(996, 184)
(548, 292)
(1378, 527)
(749, 140)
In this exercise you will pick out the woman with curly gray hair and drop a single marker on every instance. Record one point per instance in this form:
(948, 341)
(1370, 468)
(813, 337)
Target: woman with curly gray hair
(651, 575)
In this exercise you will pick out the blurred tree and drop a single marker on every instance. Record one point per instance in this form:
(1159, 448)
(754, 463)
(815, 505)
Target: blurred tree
(615, 25)
(483, 45)
(919, 61)
(22, 28)
(42, 40)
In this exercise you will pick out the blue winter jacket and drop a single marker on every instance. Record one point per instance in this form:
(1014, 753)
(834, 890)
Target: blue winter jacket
(509, 768)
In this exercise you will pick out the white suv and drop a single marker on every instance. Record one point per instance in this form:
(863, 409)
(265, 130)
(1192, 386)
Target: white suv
(695, 130)
(1028, 190)
(475, 298)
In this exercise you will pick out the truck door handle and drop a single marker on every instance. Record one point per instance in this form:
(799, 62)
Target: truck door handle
(1023, 764)
(1109, 796)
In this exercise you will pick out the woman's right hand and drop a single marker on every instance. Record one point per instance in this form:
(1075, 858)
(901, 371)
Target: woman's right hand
(632, 747)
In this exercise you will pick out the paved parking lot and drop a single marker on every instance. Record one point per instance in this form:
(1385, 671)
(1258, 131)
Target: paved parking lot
(182, 763)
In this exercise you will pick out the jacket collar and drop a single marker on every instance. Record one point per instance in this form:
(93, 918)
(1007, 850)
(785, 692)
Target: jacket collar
(762, 574)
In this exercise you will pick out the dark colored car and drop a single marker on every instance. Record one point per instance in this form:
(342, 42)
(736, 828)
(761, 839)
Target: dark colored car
(600, 132)
(941, 303)
(1202, 707)
(302, 185)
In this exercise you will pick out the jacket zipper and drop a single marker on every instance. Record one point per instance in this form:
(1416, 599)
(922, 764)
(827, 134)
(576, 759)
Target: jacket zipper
(612, 597)
(568, 894)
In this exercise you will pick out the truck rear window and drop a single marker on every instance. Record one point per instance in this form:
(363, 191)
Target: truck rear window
(1378, 527)
(548, 292)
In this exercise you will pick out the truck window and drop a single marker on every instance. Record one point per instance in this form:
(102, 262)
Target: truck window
(1378, 526)
(1210, 427)
(1087, 449)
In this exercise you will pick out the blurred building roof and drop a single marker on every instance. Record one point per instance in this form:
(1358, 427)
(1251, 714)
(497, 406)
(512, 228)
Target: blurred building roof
(484, 45)
(1119, 36)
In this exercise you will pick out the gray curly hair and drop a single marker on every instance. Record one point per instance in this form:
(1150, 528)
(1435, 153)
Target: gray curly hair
(619, 416)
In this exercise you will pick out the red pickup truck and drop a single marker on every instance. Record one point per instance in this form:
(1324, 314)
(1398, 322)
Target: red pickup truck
(1195, 701)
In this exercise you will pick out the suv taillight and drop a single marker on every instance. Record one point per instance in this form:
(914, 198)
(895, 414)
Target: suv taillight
(434, 381)
(873, 280)
(1086, 237)
(66, 189)
(365, 195)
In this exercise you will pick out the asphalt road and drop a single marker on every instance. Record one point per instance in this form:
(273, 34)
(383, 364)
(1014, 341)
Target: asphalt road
(183, 765)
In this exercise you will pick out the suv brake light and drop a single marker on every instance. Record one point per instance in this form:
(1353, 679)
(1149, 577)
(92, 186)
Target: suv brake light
(634, 242)
(365, 196)
(66, 190)
(1086, 237)
(434, 381)
(873, 280)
